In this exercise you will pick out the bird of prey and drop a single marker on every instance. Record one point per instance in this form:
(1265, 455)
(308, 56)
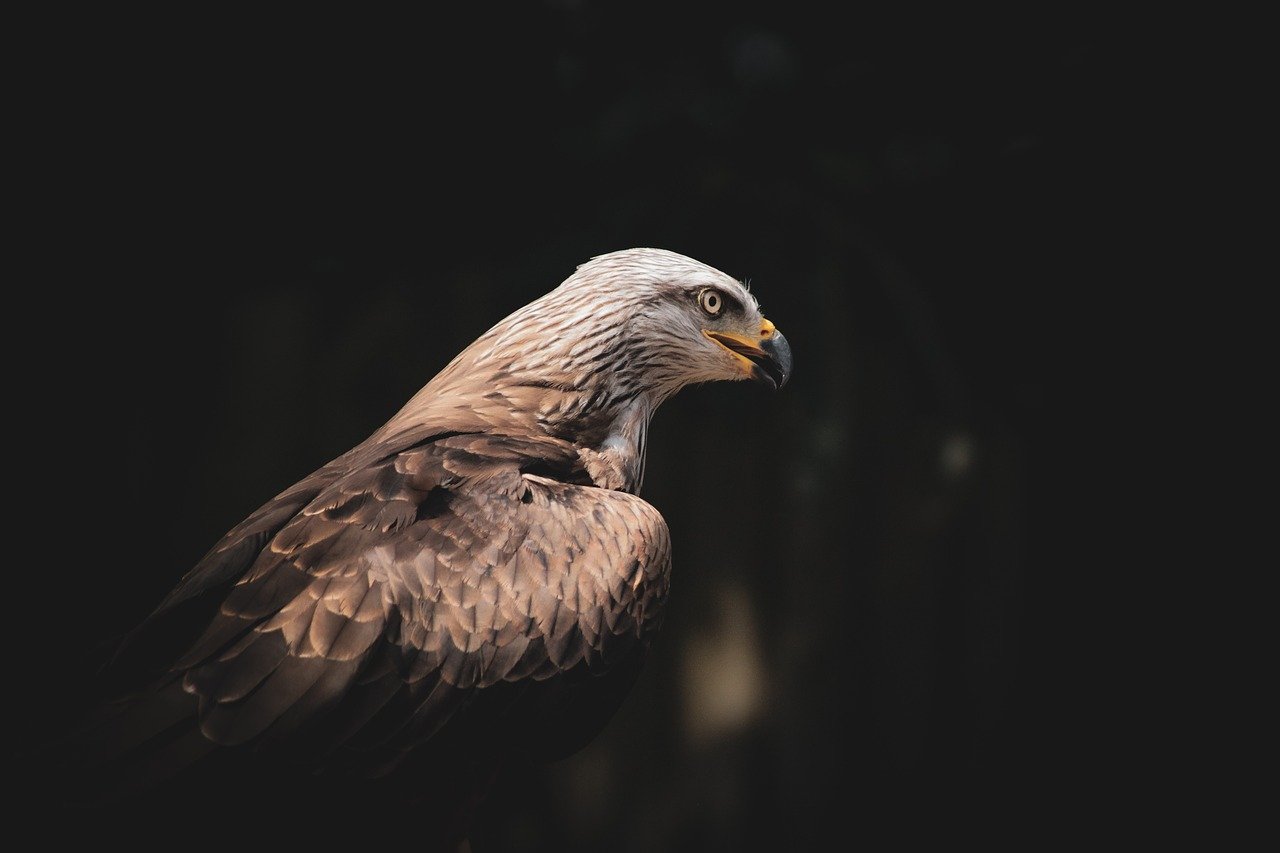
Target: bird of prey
(477, 579)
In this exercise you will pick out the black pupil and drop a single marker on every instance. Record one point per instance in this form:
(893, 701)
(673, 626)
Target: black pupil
(713, 302)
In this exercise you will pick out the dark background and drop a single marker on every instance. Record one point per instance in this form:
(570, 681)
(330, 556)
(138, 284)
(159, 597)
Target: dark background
(890, 608)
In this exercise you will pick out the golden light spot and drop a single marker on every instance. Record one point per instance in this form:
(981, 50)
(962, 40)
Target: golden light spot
(724, 673)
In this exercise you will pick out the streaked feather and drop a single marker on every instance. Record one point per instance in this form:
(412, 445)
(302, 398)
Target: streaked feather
(481, 559)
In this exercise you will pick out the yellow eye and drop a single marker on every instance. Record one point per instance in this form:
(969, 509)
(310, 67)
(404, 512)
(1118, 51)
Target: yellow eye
(710, 302)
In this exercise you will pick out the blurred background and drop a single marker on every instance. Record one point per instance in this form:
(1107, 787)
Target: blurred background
(876, 618)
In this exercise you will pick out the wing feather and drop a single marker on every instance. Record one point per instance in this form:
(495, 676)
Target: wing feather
(367, 605)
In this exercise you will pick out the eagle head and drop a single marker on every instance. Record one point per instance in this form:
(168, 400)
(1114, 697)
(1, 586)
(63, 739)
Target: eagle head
(653, 321)
(686, 322)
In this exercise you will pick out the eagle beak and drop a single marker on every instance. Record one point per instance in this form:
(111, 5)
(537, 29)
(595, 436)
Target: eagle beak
(766, 357)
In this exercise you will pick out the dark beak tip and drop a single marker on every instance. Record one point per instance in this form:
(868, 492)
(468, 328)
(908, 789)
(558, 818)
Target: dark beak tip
(778, 370)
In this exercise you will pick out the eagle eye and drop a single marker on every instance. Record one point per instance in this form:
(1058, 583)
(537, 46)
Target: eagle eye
(710, 302)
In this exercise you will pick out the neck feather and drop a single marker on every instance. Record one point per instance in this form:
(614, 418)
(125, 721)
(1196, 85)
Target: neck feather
(551, 369)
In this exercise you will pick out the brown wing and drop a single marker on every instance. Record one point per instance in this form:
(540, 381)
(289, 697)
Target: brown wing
(402, 590)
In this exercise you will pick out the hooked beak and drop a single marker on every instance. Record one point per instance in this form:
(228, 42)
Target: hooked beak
(766, 357)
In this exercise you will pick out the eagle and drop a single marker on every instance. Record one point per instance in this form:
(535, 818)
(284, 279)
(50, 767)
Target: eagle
(474, 585)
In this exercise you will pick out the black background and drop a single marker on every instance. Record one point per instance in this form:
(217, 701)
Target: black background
(281, 231)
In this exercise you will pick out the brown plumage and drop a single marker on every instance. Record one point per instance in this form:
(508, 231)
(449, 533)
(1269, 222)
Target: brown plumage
(478, 579)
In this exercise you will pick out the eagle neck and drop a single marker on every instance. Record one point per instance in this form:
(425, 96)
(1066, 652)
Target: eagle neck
(616, 459)
(608, 434)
